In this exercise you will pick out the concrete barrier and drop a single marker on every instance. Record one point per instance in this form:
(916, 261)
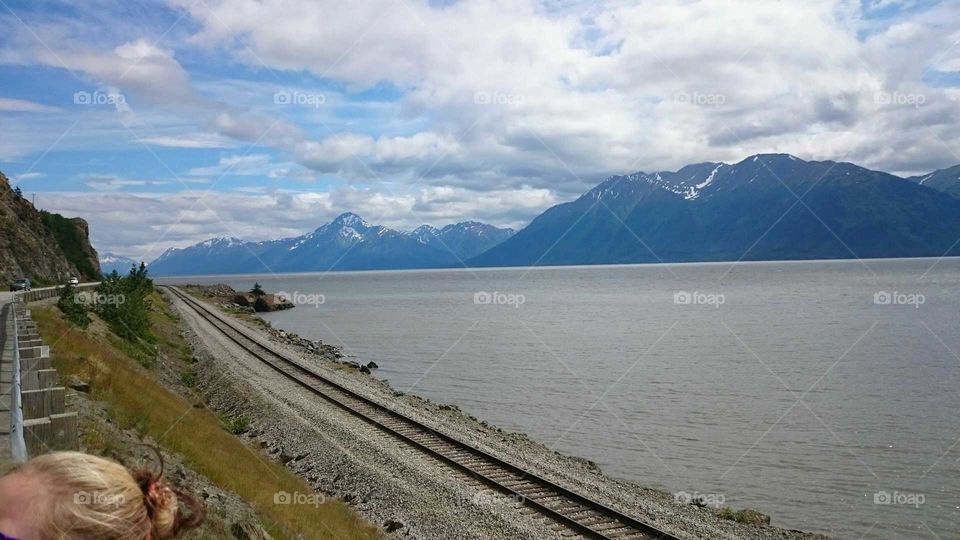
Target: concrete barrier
(35, 364)
(44, 402)
(37, 435)
(41, 351)
(48, 378)
(64, 431)
(33, 419)
(12, 443)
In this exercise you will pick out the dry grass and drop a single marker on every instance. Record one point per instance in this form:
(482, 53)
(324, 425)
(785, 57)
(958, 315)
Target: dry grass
(138, 401)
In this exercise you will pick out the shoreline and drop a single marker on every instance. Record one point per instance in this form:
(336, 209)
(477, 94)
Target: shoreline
(179, 279)
(656, 505)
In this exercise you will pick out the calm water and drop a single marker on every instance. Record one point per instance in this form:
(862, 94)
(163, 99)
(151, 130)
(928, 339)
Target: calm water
(798, 395)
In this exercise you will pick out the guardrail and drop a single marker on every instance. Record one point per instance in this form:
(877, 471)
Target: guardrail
(39, 421)
(10, 408)
(50, 292)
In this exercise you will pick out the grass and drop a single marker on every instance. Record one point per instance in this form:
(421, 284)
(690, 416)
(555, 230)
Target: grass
(750, 517)
(237, 425)
(137, 400)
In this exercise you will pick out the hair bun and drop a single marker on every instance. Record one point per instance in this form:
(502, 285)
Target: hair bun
(163, 509)
(165, 504)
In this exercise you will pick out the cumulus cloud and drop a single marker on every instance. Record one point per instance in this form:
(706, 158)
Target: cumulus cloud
(648, 85)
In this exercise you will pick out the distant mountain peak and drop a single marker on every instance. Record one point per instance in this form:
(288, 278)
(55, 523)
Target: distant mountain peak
(345, 243)
(349, 219)
(771, 156)
(220, 241)
(425, 229)
(620, 185)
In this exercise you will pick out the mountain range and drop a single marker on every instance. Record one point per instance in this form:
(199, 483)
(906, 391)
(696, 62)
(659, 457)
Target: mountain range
(766, 207)
(111, 261)
(346, 243)
(945, 180)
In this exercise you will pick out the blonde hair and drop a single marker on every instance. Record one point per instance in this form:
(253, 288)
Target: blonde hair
(89, 497)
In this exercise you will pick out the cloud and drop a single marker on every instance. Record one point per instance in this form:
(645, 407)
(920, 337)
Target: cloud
(114, 183)
(191, 140)
(22, 105)
(17, 178)
(143, 225)
(481, 108)
(237, 165)
(626, 86)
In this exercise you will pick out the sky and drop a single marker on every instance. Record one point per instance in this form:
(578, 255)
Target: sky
(164, 123)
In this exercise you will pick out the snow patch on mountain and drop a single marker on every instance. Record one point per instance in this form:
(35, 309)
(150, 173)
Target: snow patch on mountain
(694, 191)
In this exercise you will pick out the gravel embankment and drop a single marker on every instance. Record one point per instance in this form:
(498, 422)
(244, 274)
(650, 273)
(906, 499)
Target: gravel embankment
(388, 482)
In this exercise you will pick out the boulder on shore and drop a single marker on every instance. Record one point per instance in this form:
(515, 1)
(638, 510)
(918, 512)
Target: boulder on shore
(262, 303)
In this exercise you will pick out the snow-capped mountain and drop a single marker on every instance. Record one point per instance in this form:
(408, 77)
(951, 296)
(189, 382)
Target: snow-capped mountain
(945, 180)
(464, 239)
(346, 243)
(111, 261)
(766, 207)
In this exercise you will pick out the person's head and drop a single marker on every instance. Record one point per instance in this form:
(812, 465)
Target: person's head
(73, 495)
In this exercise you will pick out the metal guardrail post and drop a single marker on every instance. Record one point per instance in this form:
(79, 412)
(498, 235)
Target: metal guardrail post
(18, 448)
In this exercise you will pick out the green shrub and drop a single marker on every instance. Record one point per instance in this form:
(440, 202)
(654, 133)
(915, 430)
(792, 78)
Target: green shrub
(73, 309)
(748, 516)
(236, 425)
(189, 378)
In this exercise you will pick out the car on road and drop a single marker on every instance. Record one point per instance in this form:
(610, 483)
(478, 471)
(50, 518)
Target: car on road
(73, 281)
(22, 284)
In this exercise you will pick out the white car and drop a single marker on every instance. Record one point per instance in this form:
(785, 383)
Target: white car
(73, 281)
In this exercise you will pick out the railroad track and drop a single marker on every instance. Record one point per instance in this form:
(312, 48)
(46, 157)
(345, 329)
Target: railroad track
(575, 514)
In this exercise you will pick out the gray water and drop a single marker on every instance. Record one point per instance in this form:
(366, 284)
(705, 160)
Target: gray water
(799, 395)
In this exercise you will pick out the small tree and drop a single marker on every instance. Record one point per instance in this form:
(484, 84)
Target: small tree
(73, 307)
(257, 290)
(18, 192)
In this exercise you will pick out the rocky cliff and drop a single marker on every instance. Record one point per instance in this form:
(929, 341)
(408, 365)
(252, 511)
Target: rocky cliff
(46, 247)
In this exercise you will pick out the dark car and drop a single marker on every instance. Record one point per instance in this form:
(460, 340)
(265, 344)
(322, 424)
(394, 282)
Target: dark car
(22, 284)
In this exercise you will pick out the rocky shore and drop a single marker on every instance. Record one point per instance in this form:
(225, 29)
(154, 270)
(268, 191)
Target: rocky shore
(341, 476)
(250, 301)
